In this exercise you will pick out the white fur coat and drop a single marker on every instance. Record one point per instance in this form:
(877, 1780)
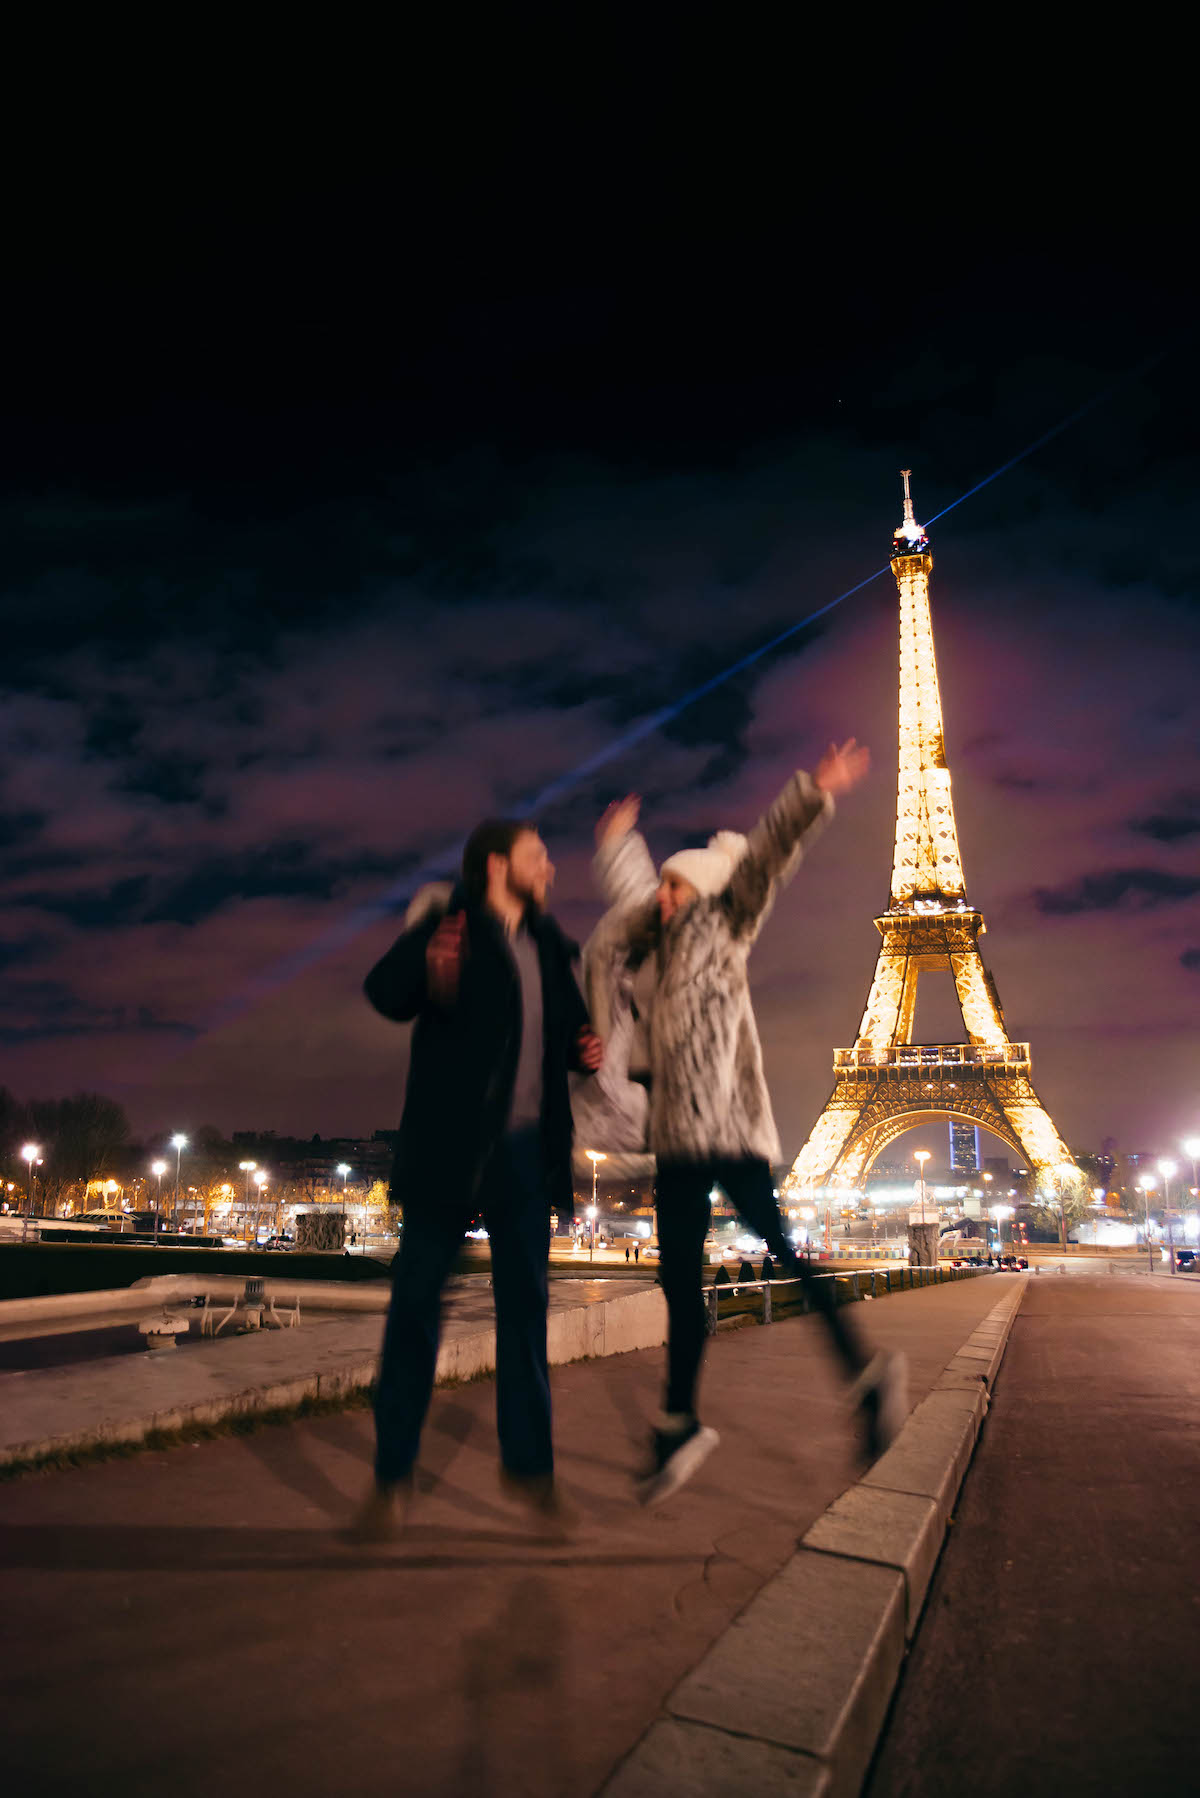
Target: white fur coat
(707, 1096)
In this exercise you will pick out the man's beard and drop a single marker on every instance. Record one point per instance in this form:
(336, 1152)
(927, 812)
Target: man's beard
(525, 895)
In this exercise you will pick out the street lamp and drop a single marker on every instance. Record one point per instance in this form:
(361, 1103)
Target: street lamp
(595, 1157)
(1168, 1169)
(343, 1168)
(179, 1144)
(1146, 1187)
(1063, 1174)
(922, 1155)
(29, 1154)
(158, 1169)
(260, 1180)
(247, 1168)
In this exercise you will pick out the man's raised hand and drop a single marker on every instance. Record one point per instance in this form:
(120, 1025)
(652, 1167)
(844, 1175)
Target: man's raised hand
(842, 767)
(443, 959)
(619, 819)
(591, 1050)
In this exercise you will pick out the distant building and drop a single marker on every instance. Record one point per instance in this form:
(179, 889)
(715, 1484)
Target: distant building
(964, 1146)
(313, 1162)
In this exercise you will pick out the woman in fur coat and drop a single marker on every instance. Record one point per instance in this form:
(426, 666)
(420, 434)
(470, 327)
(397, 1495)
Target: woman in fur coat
(673, 949)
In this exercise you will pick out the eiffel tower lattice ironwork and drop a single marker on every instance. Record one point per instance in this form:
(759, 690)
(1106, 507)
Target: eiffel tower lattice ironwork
(886, 1083)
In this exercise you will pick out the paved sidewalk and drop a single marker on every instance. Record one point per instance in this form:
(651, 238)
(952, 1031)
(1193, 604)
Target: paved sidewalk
(1057, 1653)
(187, 1620)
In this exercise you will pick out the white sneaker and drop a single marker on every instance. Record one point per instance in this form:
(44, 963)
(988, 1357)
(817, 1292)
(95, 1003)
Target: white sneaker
(677, 1455)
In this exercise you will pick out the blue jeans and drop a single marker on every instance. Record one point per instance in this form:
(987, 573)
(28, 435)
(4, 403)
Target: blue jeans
(516, 1213)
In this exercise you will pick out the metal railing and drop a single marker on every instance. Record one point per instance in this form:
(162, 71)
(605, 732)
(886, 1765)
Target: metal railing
(928, 1055)
(881, 1280)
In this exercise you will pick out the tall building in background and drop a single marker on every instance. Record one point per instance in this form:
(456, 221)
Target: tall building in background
(964, 1146)
(886, 1083)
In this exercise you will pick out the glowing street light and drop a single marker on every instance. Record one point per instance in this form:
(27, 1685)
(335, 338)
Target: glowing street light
(247, 1168)
(595, 1157)
(1000, 1212)
(922, 1155)
(179, 1143)
(1168, 1169)
(29, 1154)
(260, 1180)
(1146, 1186)
(158, 1169)
(343, 1168)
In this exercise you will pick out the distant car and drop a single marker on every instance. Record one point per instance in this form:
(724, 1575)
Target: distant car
(280, 1242)
(1185, 1260)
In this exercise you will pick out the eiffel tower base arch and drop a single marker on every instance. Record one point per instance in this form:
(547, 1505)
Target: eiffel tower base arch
(870, 1106)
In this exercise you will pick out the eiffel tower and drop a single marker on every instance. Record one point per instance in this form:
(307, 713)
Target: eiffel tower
(886, 1083)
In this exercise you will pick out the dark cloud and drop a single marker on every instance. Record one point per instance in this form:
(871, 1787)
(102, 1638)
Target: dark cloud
(1173, 826)
(1135, 889)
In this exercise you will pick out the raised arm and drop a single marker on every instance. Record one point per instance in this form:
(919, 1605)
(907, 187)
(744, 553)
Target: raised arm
(776, 845)
(625, 872)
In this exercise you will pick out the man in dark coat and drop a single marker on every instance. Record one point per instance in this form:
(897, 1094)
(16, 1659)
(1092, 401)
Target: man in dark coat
(499, 1022)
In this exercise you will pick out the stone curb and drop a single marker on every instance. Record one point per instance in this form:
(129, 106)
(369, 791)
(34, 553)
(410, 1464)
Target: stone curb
(792, 1697)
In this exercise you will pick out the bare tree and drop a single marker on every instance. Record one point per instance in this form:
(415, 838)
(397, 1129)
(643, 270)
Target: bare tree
(80, 1138)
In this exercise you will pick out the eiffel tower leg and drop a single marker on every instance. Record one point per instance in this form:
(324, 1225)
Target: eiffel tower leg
(891, 1001)
(814, 1164)
(978, 999)
(1042, 1146)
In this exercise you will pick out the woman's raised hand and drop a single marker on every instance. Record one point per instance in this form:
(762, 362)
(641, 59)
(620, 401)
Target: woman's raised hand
(842, 766)
(619, 819)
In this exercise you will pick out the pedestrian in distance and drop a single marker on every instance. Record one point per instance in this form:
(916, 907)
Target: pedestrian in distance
(627, 1256)
(686, 933)
(487, 979)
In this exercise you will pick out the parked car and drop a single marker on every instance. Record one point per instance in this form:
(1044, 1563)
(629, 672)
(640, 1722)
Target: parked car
(1185, 1260)
(280, 1242)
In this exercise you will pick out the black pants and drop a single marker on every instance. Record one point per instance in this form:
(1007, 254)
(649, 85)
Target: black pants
(684, 1214)
(516, 1214)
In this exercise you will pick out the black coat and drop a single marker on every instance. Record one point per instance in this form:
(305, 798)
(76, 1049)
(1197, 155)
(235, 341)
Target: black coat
(463, 1063)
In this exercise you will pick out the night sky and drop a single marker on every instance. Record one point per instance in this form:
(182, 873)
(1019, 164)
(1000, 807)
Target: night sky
(377, 450)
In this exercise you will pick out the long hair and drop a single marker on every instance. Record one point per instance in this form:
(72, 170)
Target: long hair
(495, 836)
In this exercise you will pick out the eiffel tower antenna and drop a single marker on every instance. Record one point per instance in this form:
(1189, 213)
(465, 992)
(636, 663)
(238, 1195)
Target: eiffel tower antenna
(886, 1084)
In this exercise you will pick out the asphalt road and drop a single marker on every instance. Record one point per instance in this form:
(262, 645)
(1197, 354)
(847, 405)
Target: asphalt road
(1058, 1650)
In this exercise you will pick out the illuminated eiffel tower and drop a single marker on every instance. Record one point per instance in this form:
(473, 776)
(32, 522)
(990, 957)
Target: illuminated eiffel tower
(886, 1083)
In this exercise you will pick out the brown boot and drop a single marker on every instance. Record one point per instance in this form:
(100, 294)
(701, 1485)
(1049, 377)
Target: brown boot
(543, 1500)
(380, 1517)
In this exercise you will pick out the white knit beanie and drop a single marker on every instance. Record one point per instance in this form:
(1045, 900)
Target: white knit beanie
(709, 869)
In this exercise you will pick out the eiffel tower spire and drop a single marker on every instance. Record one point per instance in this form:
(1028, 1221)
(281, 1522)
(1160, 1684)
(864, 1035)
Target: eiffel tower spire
(886, 1083)
(926, 865)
